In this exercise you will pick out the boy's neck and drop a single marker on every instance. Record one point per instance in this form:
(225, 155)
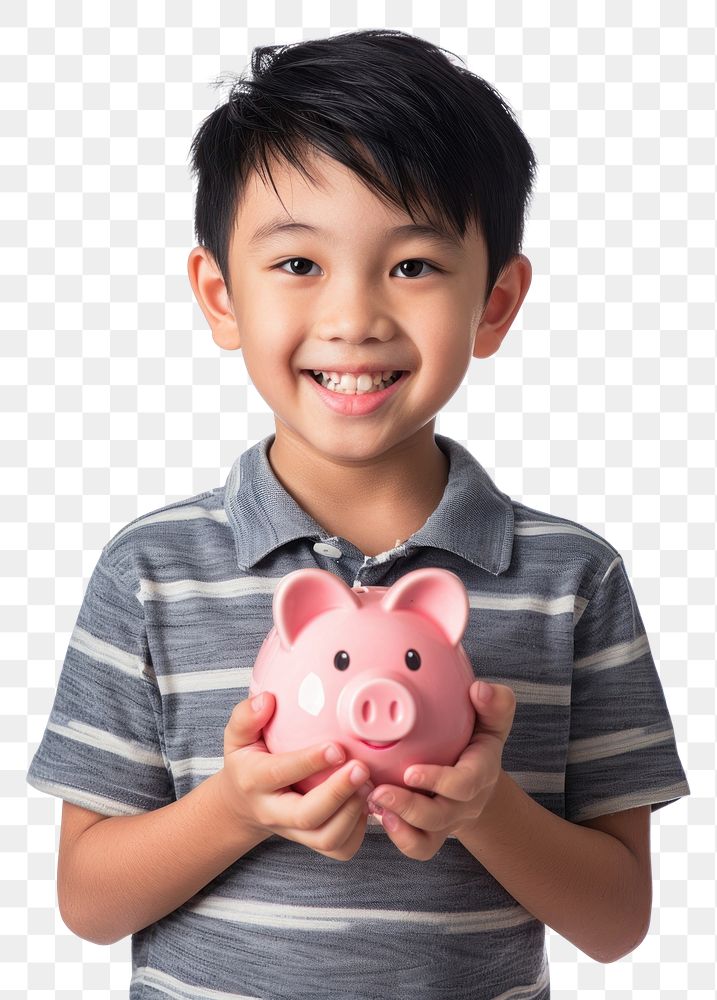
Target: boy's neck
(373, 505)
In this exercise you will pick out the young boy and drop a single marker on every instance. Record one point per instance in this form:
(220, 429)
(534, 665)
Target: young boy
(359, 212)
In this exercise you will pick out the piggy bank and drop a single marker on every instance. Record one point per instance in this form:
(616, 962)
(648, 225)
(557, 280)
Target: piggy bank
(380, 670)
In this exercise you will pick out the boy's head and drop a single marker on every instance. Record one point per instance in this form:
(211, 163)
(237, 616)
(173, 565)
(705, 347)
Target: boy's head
(356, 135)
(442, 138)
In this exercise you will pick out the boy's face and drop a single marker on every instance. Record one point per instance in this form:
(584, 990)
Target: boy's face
(351, 294)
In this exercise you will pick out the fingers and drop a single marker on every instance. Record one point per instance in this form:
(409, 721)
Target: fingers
(418, 824)
(246, 722)
(275, 771)
(460, 782)
(421, 845)
(331, 818)
(323, 801)
(496, 711)
(280, 770)
(477, 766)
(342, 835)
(419, 811)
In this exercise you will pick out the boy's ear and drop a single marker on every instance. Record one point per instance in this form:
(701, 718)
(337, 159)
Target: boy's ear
(502, 307)
(212, 297)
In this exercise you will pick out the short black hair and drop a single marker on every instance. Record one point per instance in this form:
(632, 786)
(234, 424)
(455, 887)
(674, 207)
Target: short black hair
(439, 138)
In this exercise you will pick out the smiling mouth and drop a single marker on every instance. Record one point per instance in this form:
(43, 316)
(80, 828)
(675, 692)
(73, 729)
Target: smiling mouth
(380, 746)
(342, 390)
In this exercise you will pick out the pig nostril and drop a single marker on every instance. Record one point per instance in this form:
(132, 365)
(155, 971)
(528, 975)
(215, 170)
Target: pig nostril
(394, 711)
(367, 713)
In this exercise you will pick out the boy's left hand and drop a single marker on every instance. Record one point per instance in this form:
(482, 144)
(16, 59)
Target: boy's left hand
(417, 824)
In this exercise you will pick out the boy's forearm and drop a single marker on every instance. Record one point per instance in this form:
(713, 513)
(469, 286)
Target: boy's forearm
(126, 872)
(583, 883)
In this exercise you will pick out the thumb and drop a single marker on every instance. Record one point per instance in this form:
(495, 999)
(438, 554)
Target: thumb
(247, 720)
(495, 705)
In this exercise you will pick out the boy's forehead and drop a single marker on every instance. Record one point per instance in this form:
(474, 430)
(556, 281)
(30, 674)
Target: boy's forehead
(327, 180)
(259, 200)
(315, 200)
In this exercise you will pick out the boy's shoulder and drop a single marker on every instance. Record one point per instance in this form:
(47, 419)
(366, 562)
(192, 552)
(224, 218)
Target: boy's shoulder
(489, 510)
(164, 529)
(565, 548)
(529, 522)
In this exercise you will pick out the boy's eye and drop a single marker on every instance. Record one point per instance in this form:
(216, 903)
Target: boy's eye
(294, 260)
(412, 261)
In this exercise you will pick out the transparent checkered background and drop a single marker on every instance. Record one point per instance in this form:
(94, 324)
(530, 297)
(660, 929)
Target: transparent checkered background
(600, 406)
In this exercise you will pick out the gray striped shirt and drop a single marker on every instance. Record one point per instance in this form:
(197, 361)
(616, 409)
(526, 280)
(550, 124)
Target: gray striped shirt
(172, 620)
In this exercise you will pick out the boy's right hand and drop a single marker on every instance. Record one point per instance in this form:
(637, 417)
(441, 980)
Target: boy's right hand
(330, 819)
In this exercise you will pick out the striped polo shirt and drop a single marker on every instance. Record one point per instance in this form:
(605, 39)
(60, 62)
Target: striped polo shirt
(172, 620)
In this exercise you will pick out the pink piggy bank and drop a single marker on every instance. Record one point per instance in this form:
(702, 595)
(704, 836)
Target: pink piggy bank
(380, 670)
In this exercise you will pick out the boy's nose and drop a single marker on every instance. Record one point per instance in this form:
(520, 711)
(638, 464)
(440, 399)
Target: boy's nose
(355, 313)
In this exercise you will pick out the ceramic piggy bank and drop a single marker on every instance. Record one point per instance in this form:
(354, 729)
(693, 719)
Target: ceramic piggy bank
(380, 670)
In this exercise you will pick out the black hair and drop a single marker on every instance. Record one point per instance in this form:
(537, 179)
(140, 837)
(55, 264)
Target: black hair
(423, 132)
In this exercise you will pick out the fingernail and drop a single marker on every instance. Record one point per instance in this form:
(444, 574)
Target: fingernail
(390, 820)
(485, 692)
(358, 774)
(333, 755)
(258, 703)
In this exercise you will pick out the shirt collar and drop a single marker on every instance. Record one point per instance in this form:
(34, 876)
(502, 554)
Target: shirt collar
(474, 519)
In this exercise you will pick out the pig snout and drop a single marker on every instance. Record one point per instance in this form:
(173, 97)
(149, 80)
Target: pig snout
(379, 711)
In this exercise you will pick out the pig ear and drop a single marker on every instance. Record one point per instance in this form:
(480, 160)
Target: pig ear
(302, 595)
(436, 594)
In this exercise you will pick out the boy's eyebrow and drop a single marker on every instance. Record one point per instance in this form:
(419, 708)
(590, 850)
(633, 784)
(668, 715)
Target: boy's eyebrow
(274, 227)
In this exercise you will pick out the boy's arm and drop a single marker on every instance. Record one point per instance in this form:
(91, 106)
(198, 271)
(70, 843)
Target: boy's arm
(125, 872)
(122, 873)
(592, 887)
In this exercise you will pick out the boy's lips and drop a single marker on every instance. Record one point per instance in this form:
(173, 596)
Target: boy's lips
(355, 404)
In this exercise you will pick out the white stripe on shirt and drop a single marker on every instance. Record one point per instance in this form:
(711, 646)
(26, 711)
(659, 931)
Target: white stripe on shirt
(618, 655)
(278, 914)
(610, 744)
(84, 642)
(161, 981)
(100, 739)
(85, 799)
(188, 513)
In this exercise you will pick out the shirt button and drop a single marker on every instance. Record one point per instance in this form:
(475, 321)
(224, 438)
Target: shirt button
(324, 549)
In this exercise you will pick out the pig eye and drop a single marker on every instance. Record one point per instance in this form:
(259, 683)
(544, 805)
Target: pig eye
(413, 660)
(341, 660)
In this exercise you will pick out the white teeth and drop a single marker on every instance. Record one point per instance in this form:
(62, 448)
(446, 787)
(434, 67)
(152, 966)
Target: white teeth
(363, 383)
(352, 385)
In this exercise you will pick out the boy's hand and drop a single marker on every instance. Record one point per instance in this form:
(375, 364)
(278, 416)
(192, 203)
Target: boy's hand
(330, 819)
(418, 825)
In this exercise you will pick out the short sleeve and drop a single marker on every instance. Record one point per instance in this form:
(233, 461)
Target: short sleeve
(102, 747)
(622, 751)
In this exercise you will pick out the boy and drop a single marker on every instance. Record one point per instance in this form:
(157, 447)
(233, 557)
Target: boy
(360, 214)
